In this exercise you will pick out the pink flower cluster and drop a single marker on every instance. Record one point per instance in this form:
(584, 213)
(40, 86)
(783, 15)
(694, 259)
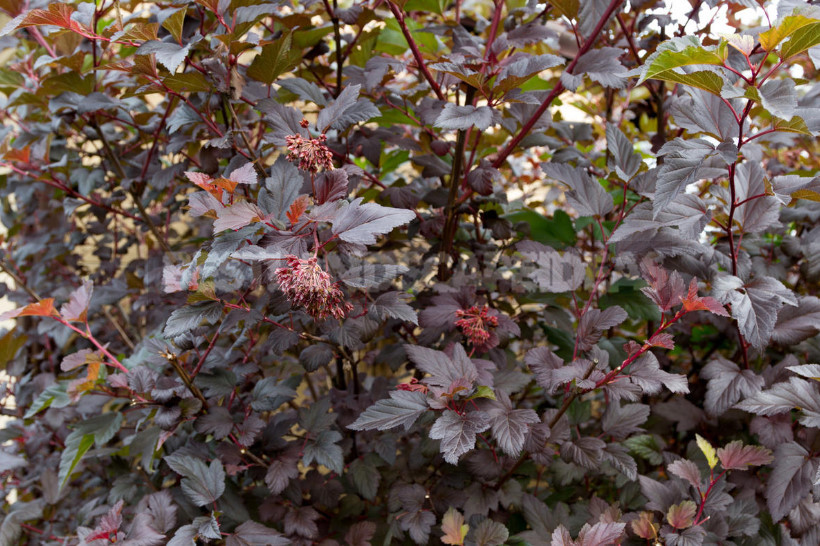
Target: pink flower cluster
(312, 154)
(307, 285)
(474, 323)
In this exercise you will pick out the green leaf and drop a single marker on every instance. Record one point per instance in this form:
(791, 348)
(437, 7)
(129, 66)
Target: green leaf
(433, 6)
(53, 396)
(276, 58)
(201, 484)
(627, 294)
(483, 391)
(802, 33)
(708, 81)
(324, 450)
(645, 445)
(567, 8)
(174, 22)
(794, 125)
(187, 82)
(365, 477)
(663, 67)
(682, 515)
(76, 445)
(97, 430)
(557, 232)
(9, 345)
(708, 451)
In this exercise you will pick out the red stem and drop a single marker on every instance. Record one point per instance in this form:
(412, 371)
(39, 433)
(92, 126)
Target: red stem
(415, 50)
(559, 88)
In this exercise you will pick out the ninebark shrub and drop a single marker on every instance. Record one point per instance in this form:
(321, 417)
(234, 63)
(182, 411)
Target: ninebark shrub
(344, 272)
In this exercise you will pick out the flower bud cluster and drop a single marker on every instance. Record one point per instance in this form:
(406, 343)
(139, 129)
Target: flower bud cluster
(475, 323)
(307, 285)
(311, 153)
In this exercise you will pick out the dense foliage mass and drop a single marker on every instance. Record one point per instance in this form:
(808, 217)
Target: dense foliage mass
(411, 272)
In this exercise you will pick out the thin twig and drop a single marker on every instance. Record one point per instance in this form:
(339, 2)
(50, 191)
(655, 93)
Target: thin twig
(414, 49)
(559, 87)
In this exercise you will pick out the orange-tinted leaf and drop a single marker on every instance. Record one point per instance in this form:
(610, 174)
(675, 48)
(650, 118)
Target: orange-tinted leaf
(682, 515)
(18, 155)
(644, 527)
(225, 184)
(43, 308)
(85, 384)
(692, 302)
(80, 358)
(214, 187)
(57, 14)
(140, 31)
(297, 208)
(454, 527)
(212, 5)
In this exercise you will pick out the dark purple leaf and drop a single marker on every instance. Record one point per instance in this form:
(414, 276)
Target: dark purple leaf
(790, 480)
(331, 186)
(360, 533)
(464, 117)
(584, 451)
(251, 533)
(365, 477)
(646, 372)
(728, 384)
(556, 273)
(301, 521)
(621, 421)
(757, 213)
(779, 98)
(693, 536)
(509, 426)
(624, 160)
(602, 533)
(797, 323)
(360, 223)
(368, 275)
(458, 432)
(218, 421)
(443, 370)
(488, 533)
(755, 304)
(601, 65)
(418, 524)
(325, 451)
(704, 112)
(402, 408)
(686, 470)
(660, 495)
(169, 55)
(280, 472)
(619, 457)
(346, 110)
(785, 396)
(683, 162)
(586, 195)
(202, 484)
(391, 305)
(246, 174)
(595, 322)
